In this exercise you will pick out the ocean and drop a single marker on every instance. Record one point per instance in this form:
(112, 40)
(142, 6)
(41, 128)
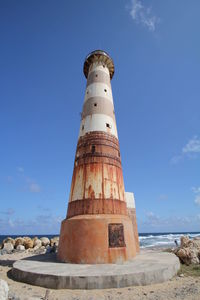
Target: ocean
(163, 240)
(147, 240)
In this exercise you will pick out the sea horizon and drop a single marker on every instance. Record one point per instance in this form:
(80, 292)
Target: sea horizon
(147, 239)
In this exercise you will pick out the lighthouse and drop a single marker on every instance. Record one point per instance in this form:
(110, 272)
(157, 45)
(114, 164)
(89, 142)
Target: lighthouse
(98, 227)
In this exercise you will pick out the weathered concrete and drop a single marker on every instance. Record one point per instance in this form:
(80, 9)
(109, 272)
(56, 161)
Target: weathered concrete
(147, 268)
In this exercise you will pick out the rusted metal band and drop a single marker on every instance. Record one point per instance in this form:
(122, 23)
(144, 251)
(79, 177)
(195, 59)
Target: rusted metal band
(96, 206)
(98, 160)
(98, 154)
(97, 136)
(98, 147)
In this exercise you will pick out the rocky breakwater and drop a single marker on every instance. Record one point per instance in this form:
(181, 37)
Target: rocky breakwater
(36, 245)
(188, 251)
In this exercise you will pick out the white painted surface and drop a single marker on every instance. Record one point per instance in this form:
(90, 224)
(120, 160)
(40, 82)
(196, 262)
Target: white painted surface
(130, 200)
(97, 122)
(97, 89)
(98, 67)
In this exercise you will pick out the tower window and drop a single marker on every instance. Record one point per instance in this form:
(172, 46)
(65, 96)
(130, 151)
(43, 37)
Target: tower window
(108, 125)
(93, 148)
(96, 75)
(82, 127)
(95, 104)
(105, 90)
(87, 92)
(103, 66)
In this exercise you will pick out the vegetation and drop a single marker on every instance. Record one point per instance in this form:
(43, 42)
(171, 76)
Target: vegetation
(191, 270)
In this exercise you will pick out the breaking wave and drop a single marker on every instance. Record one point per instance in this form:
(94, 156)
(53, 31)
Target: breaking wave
(149, 240)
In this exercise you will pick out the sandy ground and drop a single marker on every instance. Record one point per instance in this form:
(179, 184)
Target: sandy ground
(176, 288)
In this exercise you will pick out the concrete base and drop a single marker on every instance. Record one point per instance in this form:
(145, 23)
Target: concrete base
(84, 239)
(146, 268)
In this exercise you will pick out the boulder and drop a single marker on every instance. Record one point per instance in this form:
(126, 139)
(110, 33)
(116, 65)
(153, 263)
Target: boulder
(189, 251)
(8, 247)
(9, 240)
(196, 243)
(54, 241)
(45, 241)
(28, 243)
(20, 248)
(37, 243)
(19, 241)
(184, 241)
(4, 289)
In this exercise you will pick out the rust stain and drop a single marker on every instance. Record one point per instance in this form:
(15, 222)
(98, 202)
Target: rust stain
(96, 206)
(97, 179)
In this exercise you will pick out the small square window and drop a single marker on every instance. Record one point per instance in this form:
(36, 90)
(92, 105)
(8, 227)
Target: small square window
(96, 75)
(105, 90)
(93, 148)
(95, 104)
(108, 125)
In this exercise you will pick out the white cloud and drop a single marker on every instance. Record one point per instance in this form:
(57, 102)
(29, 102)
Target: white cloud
(190, 150)
(8, 212)
(193, 146)
(197, 200)
(34, 188)
(20, 169)
(31, 184)
(40, 224)
(163, 197)
(155, 223)
(175, 159)
(196, 191)
(143, 15)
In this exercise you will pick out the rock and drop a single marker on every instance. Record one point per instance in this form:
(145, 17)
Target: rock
(19, 241)
(184, 241)
(196, 243)
(4, 289)
(45, 241)
(28, 243)
(189, 251)
(37, 243)
(9, 240)
(54, 241)
(8, 247)
(20, 248)
(193, 255)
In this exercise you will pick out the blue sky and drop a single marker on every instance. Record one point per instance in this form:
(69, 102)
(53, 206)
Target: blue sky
(155, 46)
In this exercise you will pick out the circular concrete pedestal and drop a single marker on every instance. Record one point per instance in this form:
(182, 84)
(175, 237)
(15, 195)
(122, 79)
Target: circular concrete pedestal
(148, 267)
